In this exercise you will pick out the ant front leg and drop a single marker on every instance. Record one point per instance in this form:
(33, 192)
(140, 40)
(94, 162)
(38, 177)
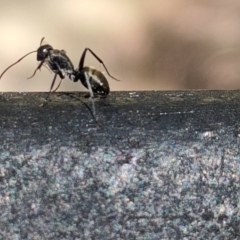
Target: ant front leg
(53, 82)
(61, 75)
(46, 99)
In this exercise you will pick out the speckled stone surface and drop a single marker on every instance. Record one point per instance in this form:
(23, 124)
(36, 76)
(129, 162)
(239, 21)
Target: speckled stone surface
(161, 165)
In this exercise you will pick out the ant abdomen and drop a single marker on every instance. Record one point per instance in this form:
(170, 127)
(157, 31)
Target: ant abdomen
(97, 80)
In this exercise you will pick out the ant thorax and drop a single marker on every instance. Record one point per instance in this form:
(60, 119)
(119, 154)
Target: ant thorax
(60, 63)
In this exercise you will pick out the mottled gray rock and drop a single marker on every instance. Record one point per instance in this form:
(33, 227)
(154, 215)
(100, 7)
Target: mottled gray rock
(160, 165)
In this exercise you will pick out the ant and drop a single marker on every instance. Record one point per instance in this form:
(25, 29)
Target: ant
(58, 61)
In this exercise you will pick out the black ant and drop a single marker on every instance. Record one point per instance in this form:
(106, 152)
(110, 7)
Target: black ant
(58, 61)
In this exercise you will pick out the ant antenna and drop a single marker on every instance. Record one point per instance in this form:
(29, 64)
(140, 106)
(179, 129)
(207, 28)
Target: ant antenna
(16, 62)
(42, 41)
(21, 59)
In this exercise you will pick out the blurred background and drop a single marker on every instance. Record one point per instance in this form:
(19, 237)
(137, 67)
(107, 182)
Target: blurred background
(149, 45)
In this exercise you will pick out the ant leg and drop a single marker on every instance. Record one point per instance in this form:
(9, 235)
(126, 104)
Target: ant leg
(53, 82)
(85, 104)
(46, 99)
(81, 63)
(16, 62)
(47, 67)
(62, 76)
(91, 93)
(39, 67)
(58, 86)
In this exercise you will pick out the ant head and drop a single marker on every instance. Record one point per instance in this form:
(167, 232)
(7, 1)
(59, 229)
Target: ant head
(43, 52)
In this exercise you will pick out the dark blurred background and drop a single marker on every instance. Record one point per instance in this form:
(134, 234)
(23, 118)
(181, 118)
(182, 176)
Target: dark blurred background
(149, 45)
